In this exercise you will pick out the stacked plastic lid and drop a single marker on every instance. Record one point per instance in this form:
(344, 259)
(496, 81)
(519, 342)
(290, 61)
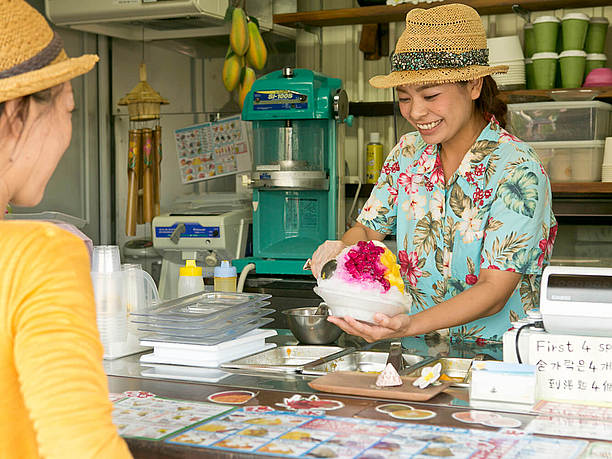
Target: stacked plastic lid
(206, 318)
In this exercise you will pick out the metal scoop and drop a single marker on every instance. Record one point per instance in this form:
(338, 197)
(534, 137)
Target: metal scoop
(322, 310)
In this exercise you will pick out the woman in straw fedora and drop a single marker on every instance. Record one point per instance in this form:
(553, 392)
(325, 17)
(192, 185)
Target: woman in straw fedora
(53, 389)
(470, 204)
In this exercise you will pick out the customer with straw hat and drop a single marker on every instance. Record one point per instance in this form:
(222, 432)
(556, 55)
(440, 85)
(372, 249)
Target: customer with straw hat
(469, 204)
(53, 390)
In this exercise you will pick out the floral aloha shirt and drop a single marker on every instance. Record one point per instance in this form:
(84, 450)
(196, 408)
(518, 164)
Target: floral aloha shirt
(495, 213)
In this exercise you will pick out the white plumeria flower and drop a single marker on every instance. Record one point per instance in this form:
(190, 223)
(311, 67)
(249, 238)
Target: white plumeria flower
(436, 205)
(469, 226)
(429, 375)
(370, 209)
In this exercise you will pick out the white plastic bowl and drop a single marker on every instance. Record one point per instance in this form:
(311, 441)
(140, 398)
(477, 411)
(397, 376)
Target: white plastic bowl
(360, 307)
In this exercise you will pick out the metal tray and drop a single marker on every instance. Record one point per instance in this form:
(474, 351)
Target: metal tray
(455, 369)
(287, 359)
(363, 361)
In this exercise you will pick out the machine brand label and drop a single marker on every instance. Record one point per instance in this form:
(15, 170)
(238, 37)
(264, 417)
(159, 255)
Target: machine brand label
(279, 99)
(191, 230)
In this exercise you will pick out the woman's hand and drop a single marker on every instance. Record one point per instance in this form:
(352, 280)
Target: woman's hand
(384, 327)
(324, 253)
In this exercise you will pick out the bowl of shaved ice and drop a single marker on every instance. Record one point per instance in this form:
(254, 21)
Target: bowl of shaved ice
(367, 280)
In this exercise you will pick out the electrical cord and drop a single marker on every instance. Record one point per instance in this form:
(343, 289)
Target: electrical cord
(516, 340)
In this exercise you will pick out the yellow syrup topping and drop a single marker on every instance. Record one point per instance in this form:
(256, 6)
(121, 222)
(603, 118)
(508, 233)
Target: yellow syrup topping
(392, 274)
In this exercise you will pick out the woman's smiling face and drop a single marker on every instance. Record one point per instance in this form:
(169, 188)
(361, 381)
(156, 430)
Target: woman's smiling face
(439, 111)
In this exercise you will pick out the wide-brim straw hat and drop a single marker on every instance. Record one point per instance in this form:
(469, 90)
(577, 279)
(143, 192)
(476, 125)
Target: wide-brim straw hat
(32, 56)
(443, 44)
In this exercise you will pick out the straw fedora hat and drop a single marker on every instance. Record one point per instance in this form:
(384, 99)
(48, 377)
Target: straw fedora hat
(444, 44)
(32, 57)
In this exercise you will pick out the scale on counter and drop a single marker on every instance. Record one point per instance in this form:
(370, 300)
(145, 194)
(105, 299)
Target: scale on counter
(577, 300)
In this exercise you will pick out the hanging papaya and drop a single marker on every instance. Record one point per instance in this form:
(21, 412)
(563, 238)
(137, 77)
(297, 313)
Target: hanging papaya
(232, 67)
(257, 53)
(239, 36)
(246, 83)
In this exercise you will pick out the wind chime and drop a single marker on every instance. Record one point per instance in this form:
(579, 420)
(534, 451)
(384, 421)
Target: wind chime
(144, 153)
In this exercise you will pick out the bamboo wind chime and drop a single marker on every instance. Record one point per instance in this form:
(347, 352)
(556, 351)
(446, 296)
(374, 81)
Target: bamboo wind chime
(144, 153)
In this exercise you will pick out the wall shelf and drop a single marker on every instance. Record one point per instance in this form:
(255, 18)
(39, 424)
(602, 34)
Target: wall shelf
(384, 13)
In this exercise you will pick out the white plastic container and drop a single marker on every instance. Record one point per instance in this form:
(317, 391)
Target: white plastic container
(360, 307)
(225, 277)
(555, 121)
(578, 161)
(190, 279)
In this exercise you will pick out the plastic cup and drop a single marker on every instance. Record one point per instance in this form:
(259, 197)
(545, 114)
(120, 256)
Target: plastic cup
(596, 35)
(573, 30)
(544, 70)
(111, 313)
(546, 29)
(105, 259)
(594, 61)
(529, 39)
(607, 158)
(529, 73)
(572, 65)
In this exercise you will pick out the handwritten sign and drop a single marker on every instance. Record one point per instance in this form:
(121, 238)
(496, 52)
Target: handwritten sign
(573, 368)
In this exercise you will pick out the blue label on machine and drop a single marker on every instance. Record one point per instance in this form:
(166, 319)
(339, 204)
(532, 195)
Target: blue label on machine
(191, 230)
(279, 99)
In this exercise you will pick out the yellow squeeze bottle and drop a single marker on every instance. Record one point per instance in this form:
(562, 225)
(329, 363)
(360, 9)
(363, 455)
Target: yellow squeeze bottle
(374, 158)
(225, 277)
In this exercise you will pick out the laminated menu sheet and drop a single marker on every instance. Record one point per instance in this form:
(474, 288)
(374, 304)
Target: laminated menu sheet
(263, 430)
(148, 417)
(212, 149)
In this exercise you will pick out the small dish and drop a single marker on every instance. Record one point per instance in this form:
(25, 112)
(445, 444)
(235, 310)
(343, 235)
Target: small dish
(562, 95)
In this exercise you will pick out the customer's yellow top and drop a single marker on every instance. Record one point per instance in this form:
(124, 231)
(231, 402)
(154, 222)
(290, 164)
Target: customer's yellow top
(53, 390)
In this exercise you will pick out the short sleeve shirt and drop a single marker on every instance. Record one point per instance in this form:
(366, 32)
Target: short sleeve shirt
(494, 213)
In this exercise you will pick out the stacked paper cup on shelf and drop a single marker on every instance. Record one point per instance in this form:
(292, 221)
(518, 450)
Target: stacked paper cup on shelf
(508, 51)
(107, 278)
(606, 168)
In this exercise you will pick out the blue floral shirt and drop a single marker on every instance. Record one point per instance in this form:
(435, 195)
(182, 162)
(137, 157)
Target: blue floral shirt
(494, 213)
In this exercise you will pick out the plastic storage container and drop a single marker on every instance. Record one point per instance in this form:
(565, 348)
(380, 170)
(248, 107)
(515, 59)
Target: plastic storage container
(571, 161)
(554, 121)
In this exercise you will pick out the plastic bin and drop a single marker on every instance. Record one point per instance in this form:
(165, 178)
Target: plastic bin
(555, 121)
(578, 161)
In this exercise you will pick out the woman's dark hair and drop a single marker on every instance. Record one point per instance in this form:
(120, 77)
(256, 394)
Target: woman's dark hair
(489, 102)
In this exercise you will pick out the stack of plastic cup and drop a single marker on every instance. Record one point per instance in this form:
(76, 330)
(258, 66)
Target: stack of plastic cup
(574, 30)
(107, 278)
(529, 40)
(572, 64)
(544, 70)
(596, 36)
(545, 30)
(606, 168)
(594, 61)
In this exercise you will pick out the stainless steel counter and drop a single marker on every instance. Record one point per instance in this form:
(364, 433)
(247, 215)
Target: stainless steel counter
(131, 367)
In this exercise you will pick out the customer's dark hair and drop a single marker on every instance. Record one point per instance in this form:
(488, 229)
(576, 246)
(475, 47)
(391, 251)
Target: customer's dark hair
(42, 97)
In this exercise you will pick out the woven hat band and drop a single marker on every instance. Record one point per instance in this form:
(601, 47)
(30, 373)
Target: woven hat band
(41, 59)
(428, 60)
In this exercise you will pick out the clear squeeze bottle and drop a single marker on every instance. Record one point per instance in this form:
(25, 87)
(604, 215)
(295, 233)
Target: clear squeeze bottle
(190, 279)
(225, 277)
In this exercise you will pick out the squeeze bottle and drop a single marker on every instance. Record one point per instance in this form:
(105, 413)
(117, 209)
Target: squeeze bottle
(190, 279)
(225, 277)
(374, 158)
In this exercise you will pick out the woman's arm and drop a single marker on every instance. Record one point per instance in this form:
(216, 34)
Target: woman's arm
(485, 298)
